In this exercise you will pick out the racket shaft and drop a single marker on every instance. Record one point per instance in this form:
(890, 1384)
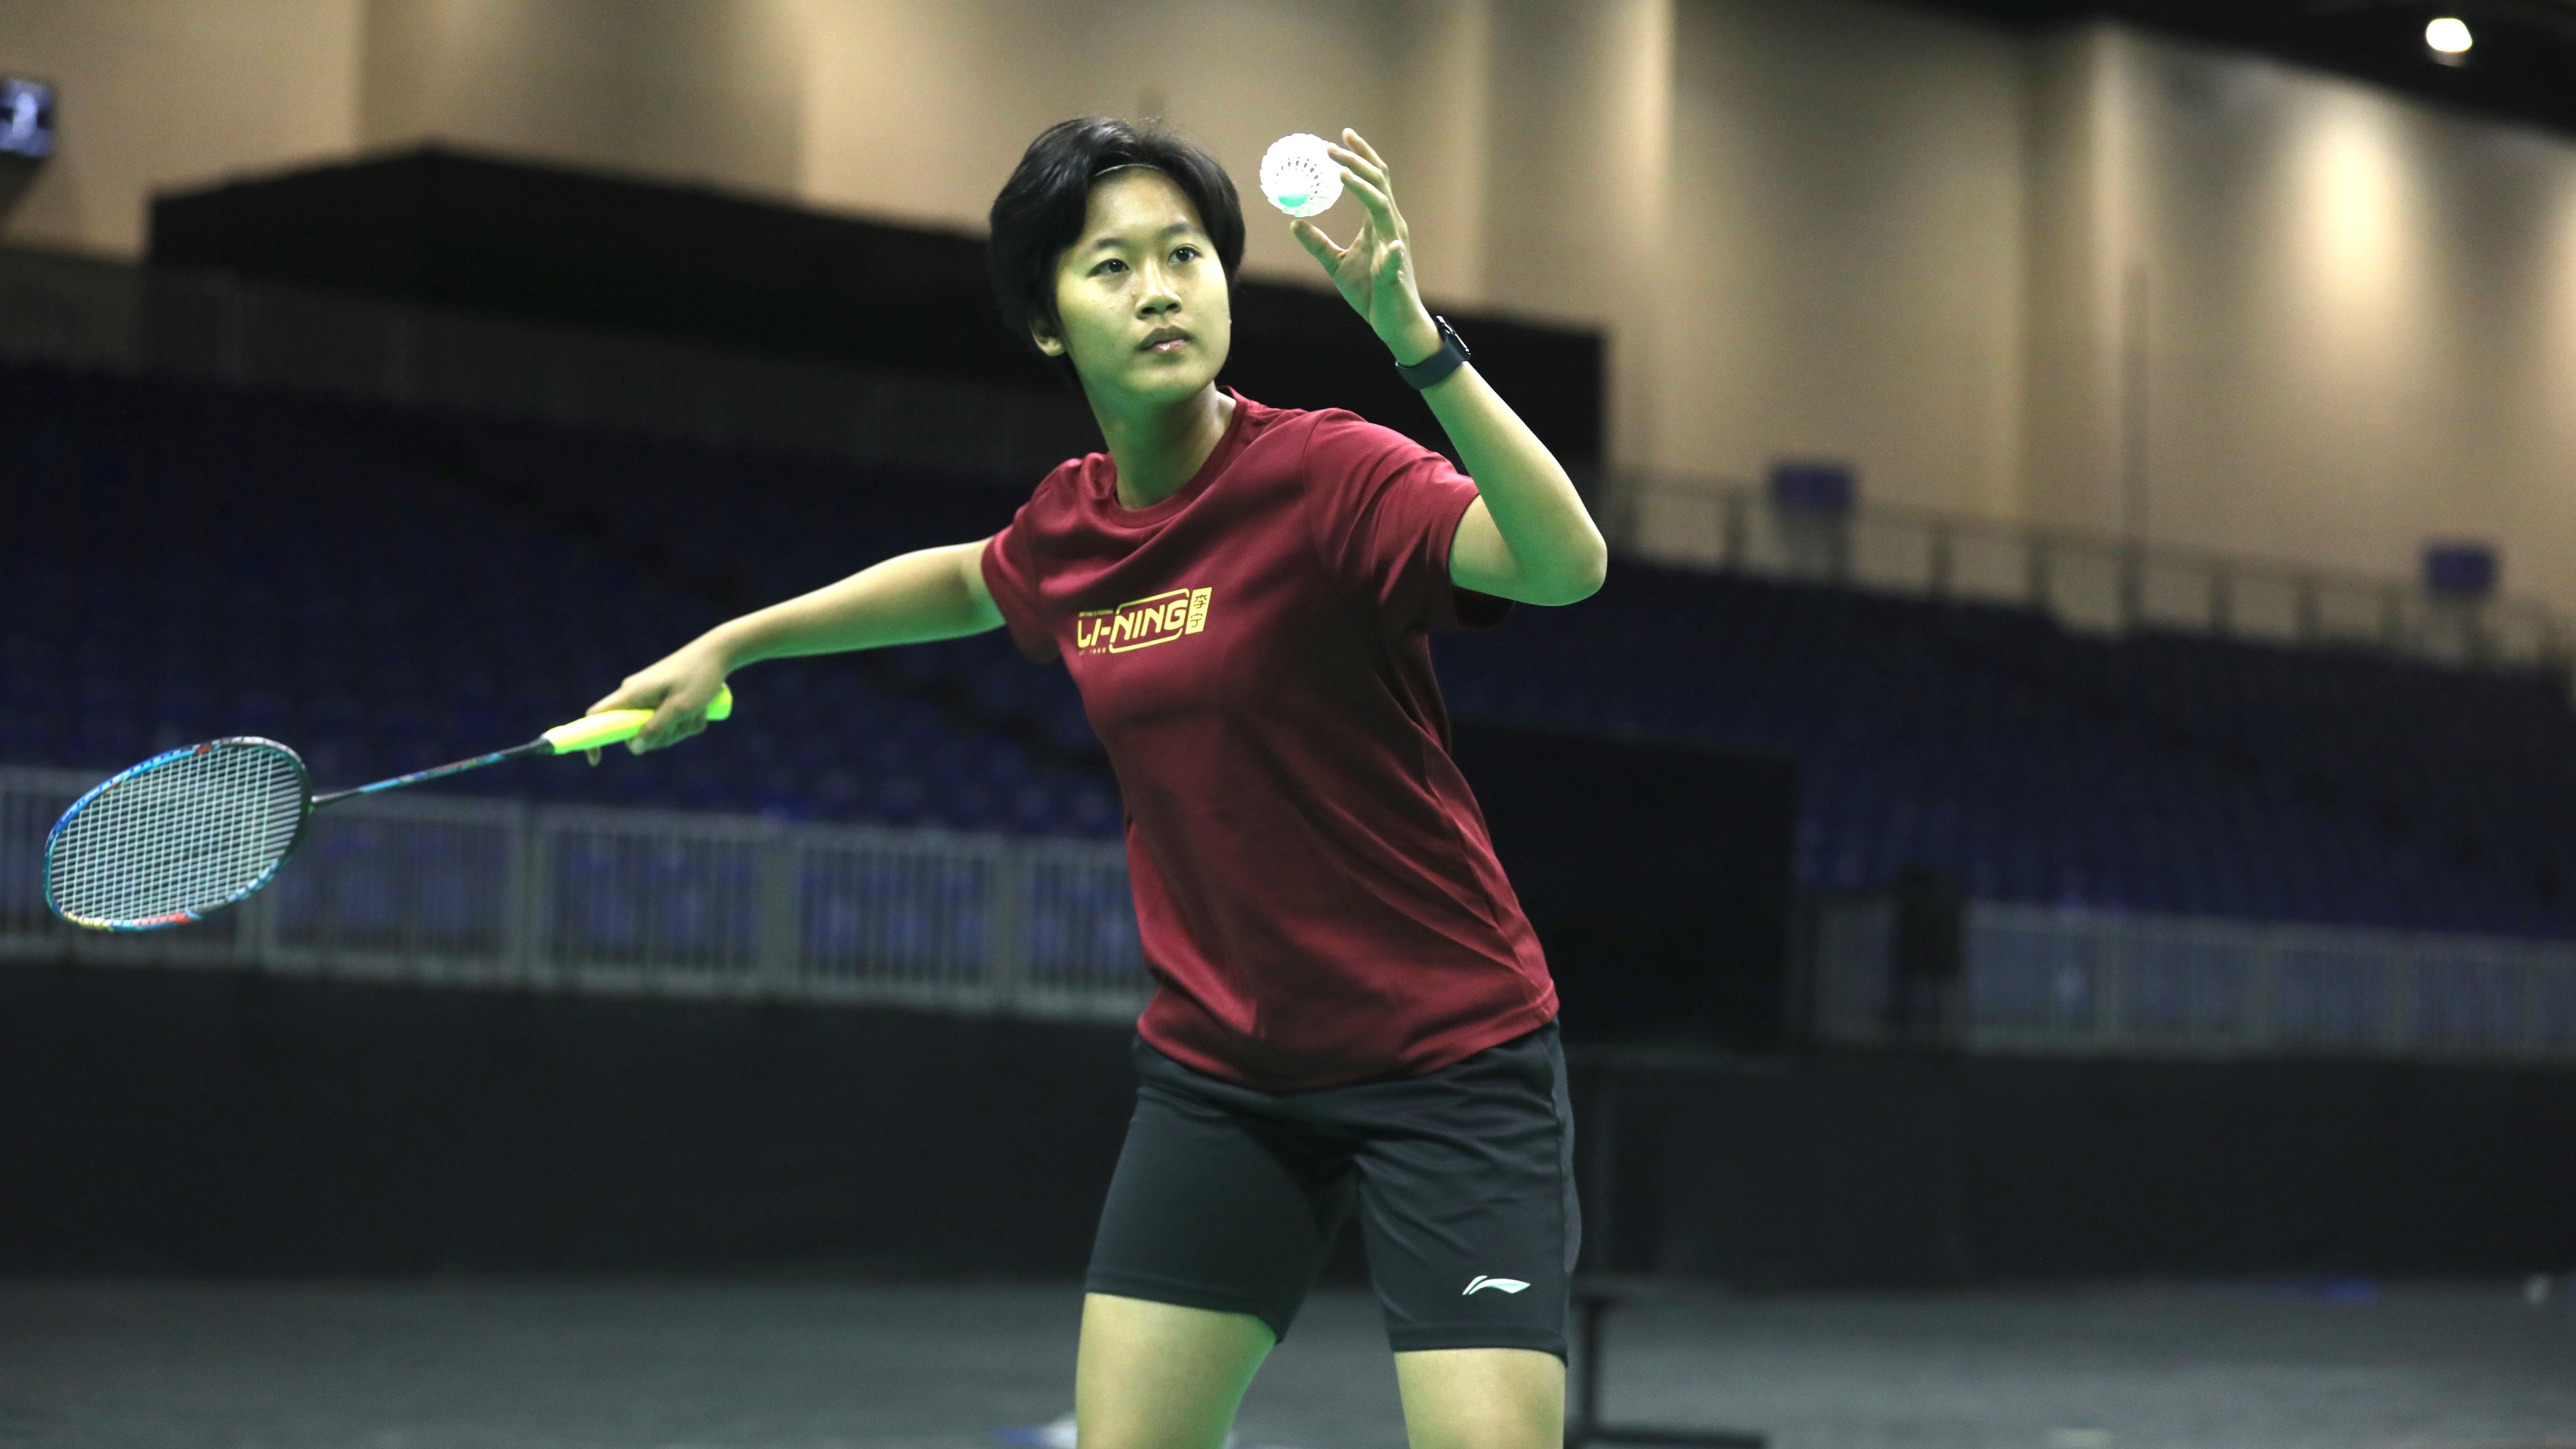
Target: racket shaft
(533, 747)
(590, 732)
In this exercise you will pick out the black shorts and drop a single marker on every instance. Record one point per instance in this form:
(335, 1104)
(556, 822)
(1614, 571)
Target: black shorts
(1228, 1198)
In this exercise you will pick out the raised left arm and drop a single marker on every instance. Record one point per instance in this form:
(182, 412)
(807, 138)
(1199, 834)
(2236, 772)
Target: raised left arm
(1527, 536)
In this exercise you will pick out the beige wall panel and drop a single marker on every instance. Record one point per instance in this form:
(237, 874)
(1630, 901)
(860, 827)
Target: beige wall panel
(1578, 178)
(1577, 137)
(2073, 281)
(694, 90)
(1446, 57)
(2359, 333)
(918, 109)
(2537, 397)
(159, 93)
(1843, 267)
(1809, 227)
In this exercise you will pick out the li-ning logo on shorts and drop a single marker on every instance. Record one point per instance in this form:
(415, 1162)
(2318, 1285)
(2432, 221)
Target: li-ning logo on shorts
(1508, 1285)
(1142, 623)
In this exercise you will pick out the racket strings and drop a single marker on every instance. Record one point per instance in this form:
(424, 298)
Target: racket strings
(185, 834)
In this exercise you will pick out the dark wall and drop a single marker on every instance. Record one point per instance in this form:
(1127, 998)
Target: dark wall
(1659, 878)
(438, 228)
(214, 1121)
(204, 1121)
(1877, 1171)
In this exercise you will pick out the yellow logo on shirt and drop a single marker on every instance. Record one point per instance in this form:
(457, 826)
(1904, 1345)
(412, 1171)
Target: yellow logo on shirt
(1143, 623)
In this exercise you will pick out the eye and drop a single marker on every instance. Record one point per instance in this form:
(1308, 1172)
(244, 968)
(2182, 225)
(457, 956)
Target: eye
(1185, 253)
(1109, 265)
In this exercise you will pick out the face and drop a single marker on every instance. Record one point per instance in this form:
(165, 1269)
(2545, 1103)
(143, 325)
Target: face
(1143, 298)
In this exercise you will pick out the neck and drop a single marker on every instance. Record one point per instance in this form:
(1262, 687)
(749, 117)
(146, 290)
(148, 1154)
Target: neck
(1158, 449)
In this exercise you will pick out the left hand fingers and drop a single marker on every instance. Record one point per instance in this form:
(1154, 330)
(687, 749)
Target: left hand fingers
(1319, 246)
(1366, 166)
(1381, 207)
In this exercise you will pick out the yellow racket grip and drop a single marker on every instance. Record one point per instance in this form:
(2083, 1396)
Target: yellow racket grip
(616, 726)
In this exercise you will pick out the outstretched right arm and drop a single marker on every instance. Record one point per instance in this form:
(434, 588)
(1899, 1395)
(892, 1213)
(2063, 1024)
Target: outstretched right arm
(936, 593)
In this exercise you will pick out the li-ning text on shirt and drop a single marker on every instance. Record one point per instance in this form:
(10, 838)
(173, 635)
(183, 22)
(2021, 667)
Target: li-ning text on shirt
(1142, 623)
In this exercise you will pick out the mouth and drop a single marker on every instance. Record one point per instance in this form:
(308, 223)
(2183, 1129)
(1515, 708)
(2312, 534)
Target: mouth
(1164, 339)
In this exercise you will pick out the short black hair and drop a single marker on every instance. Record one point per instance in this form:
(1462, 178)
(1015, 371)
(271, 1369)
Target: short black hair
(1041, 208)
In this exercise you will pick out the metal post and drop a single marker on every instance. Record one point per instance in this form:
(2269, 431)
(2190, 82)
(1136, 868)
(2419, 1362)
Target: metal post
(1006, 965)
(1601, 1160)
(2526, 1014)
(540, 898)
(2260, 993)
(778, 955)
(1587, 1404)
(411, 908)
(258, 940)
(2397, 1000)
(1583, 1425)
(2111, 987)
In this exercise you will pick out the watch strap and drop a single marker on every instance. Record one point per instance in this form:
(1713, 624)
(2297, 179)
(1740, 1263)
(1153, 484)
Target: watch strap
(1438, 365)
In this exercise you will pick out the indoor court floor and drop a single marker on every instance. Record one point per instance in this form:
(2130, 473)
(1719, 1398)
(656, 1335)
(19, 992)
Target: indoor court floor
(732, 1364)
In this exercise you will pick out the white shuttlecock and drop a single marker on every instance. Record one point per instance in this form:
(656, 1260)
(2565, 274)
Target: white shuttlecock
(1299, 176)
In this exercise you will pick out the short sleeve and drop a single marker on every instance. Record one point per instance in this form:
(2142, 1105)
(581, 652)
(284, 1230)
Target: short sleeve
(1012, 579)
(1384, 512)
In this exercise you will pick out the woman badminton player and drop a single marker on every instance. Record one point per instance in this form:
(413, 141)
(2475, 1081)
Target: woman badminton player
(1351, 1013)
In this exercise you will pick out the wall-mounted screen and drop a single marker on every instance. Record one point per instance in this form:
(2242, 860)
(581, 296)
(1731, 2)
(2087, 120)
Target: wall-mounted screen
(26, 117)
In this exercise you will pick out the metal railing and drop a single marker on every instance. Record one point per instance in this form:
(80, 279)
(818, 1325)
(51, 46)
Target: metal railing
(496, 894)
(85, 313)
(2091, 982)
(2087, 581)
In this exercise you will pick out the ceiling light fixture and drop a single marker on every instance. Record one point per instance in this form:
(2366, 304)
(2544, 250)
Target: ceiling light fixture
(2449, 39)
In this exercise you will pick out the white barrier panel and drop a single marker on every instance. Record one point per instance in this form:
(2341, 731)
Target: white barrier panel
(485, 893)
(2090, 982)
(491, 893)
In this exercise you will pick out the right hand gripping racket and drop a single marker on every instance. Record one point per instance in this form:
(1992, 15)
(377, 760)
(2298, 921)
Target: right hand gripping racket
(206, 826)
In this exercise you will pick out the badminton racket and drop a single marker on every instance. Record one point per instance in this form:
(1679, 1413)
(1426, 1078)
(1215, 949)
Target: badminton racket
(205, 826)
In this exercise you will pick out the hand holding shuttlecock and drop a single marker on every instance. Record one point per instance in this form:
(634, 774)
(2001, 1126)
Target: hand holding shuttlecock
(1302, 175)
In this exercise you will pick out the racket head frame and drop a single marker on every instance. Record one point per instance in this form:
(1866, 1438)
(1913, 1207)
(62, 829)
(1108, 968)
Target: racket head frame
(164, 760)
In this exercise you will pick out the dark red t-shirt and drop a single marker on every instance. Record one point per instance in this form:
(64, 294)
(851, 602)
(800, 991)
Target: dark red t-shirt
(1318, 897)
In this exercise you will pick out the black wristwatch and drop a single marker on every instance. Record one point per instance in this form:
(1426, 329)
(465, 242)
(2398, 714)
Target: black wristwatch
(1439, 364)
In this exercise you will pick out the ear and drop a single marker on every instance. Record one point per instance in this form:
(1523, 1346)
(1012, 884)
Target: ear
(1047, 342)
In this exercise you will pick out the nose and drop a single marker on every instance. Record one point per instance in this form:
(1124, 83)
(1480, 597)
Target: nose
(1159, 295)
